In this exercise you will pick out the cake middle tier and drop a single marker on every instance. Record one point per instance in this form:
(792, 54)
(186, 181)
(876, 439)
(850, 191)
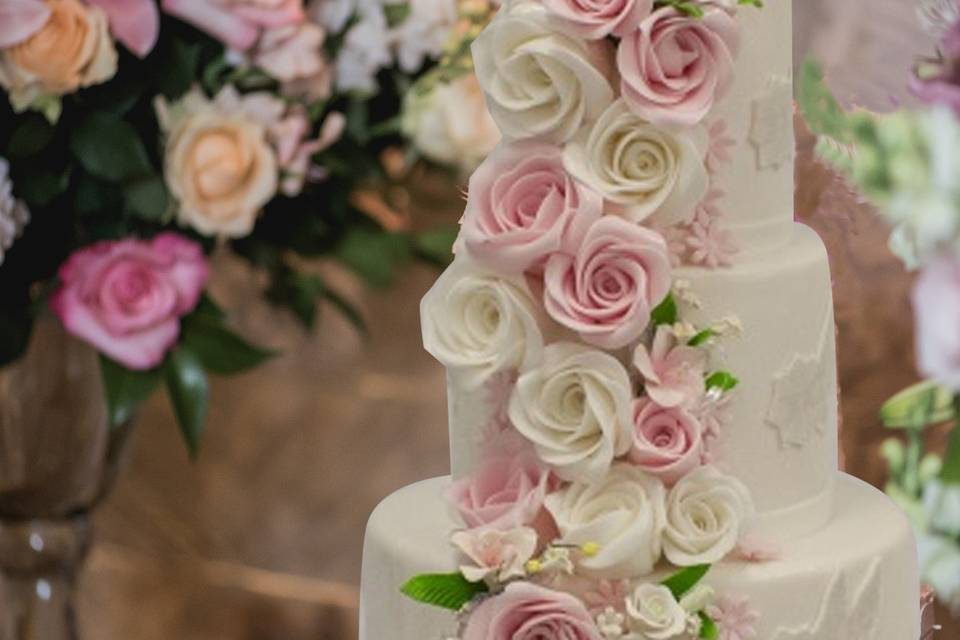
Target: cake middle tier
(781, 439)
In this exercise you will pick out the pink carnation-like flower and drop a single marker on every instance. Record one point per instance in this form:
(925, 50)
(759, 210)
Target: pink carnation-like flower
(526, 611)
(936, 309)
(734, 618)
(940, 81)
(595, 20)
(674, 67)
(667, 441)
(606, 290)
(126, 297)
(673, 372)
(506, 492)
(521, 205)
(237, 23)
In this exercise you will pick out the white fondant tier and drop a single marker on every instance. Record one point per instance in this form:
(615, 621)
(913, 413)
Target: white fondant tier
(855, 579)
(782, 438)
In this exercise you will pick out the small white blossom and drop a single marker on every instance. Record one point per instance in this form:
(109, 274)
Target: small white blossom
(557, 560)
(14, 214)
(729, 325)
(684, 331)
(610, 623)
(683, 290)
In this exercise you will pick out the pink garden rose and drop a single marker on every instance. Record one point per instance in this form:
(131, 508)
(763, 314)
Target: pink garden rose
(506, 492)
(521, 206)
(674, 67)
(597, 19)
(667, 441)
(606, 290)
(526, 611)
(673, 373)
(237, 23)
(126, 297)
(936, 308)
(939, 80)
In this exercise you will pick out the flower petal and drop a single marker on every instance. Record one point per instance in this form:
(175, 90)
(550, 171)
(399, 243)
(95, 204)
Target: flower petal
(135, 23)
(20, 19)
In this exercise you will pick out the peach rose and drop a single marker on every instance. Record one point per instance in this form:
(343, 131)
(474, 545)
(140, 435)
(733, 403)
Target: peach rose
(220, 165)
(72, 50)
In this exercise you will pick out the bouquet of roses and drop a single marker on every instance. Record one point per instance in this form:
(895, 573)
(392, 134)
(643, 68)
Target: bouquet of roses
(136, 137)
(907, 164)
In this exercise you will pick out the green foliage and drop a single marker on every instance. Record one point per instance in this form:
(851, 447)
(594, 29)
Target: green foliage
(219, 349)
(723, 380)
(110, 148)
(126, 390)
(686, 579)
(820, 109)
(918, 406)
(702, 338)
(436, 245)
(449, 590)
(686, 7)
(374, 254)
(950, 473)
(708, 628)
(189, 391)
(31, 136)
(666, 312)
(147, 198)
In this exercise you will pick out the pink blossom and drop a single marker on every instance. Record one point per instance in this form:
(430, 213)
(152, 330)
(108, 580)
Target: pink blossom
(940, 81)
(499, 554)
(674, 67)
(506, 492)
(295, 152)
(526, 611)
(606, 594)
(594, 20)
(710, 244)
(237, 23)
(607, 289)
(135, 23)
(293, 52)
(718, 149)
(20, 19)
(756, 550)
(667, 441)
(673, 372)
(521, 206)
(734, 618)
(936, 309)
(126, 297)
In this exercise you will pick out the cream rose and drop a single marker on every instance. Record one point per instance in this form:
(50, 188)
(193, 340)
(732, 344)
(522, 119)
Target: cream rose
(622, 514)
(72, 50)
(646, 172)
(480, 323)
(707, 514)
(575, 409)
(539, 81)
(655, 614)
(220, 165)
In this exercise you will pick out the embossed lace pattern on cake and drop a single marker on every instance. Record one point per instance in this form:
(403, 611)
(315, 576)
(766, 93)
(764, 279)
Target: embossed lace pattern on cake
(771, 129)
(800, 402)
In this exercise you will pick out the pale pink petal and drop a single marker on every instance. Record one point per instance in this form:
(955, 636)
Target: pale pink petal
(219, 21)
(135, 23)
(20, 19)
(287, 13)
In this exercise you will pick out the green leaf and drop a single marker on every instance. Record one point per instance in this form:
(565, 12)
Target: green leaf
(708, 628)
(448, 590)
(179, 70)
(686, 7)
(40, 187)
(436, 245)
(351, 313)
(666, 312)
(702, 337)
(820, 109)
(93, 195)
(31, 136)
(147, 198)
(686, 579)
(126, 390)
(219, 349)
(950, 473)
(374, 255)
(917, 407)
(723, 380)
(110, 148)
(189, 392)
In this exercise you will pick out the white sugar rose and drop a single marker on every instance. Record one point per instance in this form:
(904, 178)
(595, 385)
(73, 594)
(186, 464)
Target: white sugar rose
(707, 514)
(575, 409)
(480, 323)
(655, 614)
(623, 514)
(539, 81)
(646, 172)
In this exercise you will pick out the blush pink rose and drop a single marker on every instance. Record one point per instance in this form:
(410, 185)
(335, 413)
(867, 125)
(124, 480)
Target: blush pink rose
(673, 373)
(526, 611)
(126, 297)
(237, 23)
(674, 67)
(597, 19)
(667, 441)
(607, 289)
(507, 492)
(936, 309)
(522, 204)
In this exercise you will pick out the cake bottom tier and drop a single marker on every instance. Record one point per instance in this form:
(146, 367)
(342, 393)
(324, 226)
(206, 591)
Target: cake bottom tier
(855, 579)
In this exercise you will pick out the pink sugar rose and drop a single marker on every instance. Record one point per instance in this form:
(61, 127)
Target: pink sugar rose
(936, 308)
(526, 611)
(507, 492)
(521, 207)
(597, 19)
(606, 290)
(237, 23)
(126, 297)
(673, 372)
(667, 441)
(674, 66)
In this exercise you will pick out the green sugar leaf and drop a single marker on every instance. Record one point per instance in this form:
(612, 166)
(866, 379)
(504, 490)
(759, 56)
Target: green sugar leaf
(708, 628)
(723, 380)
(686, 579)
(447, 590)
(666, 312)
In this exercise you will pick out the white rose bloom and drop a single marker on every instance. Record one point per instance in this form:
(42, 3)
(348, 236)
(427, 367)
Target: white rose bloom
(541, 82)
(623, 514)
(575, 408)
(655, 614)
(480, 323)
(707, 514)
(645, 171)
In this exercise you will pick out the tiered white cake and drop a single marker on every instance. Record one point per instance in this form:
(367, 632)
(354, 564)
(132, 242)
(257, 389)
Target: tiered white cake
(624, 146)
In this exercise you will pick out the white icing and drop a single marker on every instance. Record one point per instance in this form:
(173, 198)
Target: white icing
(771, 131)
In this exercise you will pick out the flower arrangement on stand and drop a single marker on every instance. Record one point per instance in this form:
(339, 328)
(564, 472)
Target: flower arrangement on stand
(907, 165)
(136, 137)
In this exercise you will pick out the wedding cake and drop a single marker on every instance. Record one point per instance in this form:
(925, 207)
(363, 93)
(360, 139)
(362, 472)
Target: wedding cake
(641, 358)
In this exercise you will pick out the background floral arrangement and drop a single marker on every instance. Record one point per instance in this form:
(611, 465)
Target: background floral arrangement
(136, 137)
(907, 164)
